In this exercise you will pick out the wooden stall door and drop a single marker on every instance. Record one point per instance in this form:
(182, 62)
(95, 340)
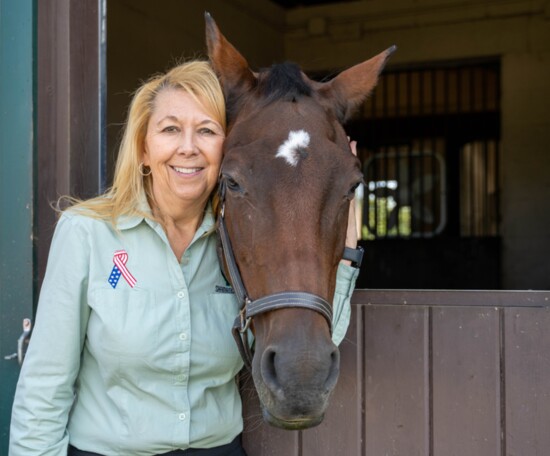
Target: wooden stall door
(431, 373)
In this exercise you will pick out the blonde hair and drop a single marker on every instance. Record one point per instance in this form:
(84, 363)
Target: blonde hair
(129, 183)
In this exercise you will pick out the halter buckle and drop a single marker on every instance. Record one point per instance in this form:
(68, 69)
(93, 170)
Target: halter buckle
(245, 321)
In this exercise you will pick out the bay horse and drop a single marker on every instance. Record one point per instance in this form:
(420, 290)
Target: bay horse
(286, 182)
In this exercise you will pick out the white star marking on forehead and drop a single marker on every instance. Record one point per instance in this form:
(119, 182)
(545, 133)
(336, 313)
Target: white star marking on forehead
(290, 149)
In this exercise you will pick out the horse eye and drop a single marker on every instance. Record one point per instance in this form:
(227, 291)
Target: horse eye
(232, 184)
(351, 192)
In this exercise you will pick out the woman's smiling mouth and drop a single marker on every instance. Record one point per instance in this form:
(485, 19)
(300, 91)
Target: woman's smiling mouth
(187, 171)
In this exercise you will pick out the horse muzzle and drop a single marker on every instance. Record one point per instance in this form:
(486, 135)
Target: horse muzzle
(294, 375)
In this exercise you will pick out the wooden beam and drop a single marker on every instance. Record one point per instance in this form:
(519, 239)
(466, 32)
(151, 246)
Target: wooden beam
(70, 91)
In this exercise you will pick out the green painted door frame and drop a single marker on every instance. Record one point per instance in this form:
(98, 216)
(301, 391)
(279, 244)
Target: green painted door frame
(17, 133)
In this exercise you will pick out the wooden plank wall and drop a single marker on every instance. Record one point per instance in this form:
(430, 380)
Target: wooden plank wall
(69, 113)
(431, 373)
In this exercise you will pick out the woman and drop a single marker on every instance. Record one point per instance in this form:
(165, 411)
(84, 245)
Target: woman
(132, 352)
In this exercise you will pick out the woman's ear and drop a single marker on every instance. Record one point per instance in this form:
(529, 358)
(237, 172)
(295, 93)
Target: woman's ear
(145, 156)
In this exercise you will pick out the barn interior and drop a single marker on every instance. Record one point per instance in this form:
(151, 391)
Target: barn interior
(453, 141)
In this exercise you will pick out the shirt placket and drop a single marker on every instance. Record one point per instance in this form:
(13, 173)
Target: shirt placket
(181, 328)
(183, 357)
(182, 334)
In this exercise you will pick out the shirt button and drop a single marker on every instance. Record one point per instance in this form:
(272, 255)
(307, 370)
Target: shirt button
(181, 294)
(183, 336)
(182, 416)
(185, 261)
(181, 378)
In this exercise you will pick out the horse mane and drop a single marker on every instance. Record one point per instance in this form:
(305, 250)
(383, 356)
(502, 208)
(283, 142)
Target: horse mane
(283, 81)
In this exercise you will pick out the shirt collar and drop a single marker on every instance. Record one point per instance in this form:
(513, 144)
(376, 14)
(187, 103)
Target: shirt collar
(126, 222)
(208, 221)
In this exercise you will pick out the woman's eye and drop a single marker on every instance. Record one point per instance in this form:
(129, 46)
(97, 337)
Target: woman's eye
(207, 131)
(170, 129)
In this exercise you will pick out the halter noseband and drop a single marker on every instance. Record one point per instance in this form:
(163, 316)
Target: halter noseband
(249, 308)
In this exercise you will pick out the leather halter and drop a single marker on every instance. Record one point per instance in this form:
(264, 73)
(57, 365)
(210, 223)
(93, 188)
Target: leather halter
(249, 308)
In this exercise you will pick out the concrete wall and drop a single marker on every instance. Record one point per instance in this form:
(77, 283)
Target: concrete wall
(337, 36)
(526, 168)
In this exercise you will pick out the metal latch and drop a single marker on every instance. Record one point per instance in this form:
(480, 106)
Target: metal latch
(22, 342)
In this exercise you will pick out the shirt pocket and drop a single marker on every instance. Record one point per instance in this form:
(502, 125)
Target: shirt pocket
(124, 322)
(214, 331)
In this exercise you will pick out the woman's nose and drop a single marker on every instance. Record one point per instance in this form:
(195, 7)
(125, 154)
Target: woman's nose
(187, 144)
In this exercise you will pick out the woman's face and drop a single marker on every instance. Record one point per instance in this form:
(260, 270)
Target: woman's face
(183, 149)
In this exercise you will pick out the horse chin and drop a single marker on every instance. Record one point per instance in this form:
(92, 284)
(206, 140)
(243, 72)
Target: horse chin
(296, 411)
(294, 424)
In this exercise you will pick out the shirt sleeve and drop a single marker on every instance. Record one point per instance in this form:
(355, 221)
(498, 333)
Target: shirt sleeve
(45, 390)
(346, 277)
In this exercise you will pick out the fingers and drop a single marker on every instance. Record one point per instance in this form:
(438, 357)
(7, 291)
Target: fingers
(351, 232)
(353, 146)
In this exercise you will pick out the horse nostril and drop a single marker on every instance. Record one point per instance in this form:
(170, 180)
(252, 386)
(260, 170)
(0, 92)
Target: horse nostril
(334, 370)
(269, 373)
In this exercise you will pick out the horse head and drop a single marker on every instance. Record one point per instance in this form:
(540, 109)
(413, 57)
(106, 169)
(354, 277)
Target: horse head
(287, 179)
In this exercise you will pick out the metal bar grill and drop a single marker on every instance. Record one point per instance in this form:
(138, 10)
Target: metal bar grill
(432, 128)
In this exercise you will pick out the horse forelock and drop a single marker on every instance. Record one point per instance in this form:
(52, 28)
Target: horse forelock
(283, 81)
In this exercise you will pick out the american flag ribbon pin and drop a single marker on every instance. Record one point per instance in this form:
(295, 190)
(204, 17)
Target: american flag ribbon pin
(120, 258)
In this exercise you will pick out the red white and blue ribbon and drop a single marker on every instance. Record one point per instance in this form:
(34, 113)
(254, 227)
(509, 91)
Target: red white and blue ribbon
(120, 258)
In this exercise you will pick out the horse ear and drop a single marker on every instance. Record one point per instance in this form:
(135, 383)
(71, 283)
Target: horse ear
(230, 66)
(347, 90)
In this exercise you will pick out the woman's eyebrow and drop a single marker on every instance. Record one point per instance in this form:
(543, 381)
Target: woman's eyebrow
(168, 117)
(209, 121)
(175, 119)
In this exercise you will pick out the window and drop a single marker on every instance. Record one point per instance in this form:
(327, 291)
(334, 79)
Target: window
(428, 141)
(478, 189)
(404, 194)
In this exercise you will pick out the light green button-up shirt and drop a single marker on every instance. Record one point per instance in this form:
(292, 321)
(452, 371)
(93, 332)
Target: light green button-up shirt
(134, 370)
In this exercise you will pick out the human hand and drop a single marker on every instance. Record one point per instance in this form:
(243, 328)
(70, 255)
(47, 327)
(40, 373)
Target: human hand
(351, 233)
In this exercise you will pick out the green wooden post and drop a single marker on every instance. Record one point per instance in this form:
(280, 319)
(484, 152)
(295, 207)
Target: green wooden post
(17, 132)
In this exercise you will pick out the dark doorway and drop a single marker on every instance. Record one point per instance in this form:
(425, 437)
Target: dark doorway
(429, 144)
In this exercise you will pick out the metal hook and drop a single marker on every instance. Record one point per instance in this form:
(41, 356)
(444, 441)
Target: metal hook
(22, 342)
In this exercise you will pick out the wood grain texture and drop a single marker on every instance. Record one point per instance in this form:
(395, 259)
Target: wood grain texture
(68, 128)
(396, 386)
(345, 409)
(430, 380)
(527, 367)
(466, 381)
